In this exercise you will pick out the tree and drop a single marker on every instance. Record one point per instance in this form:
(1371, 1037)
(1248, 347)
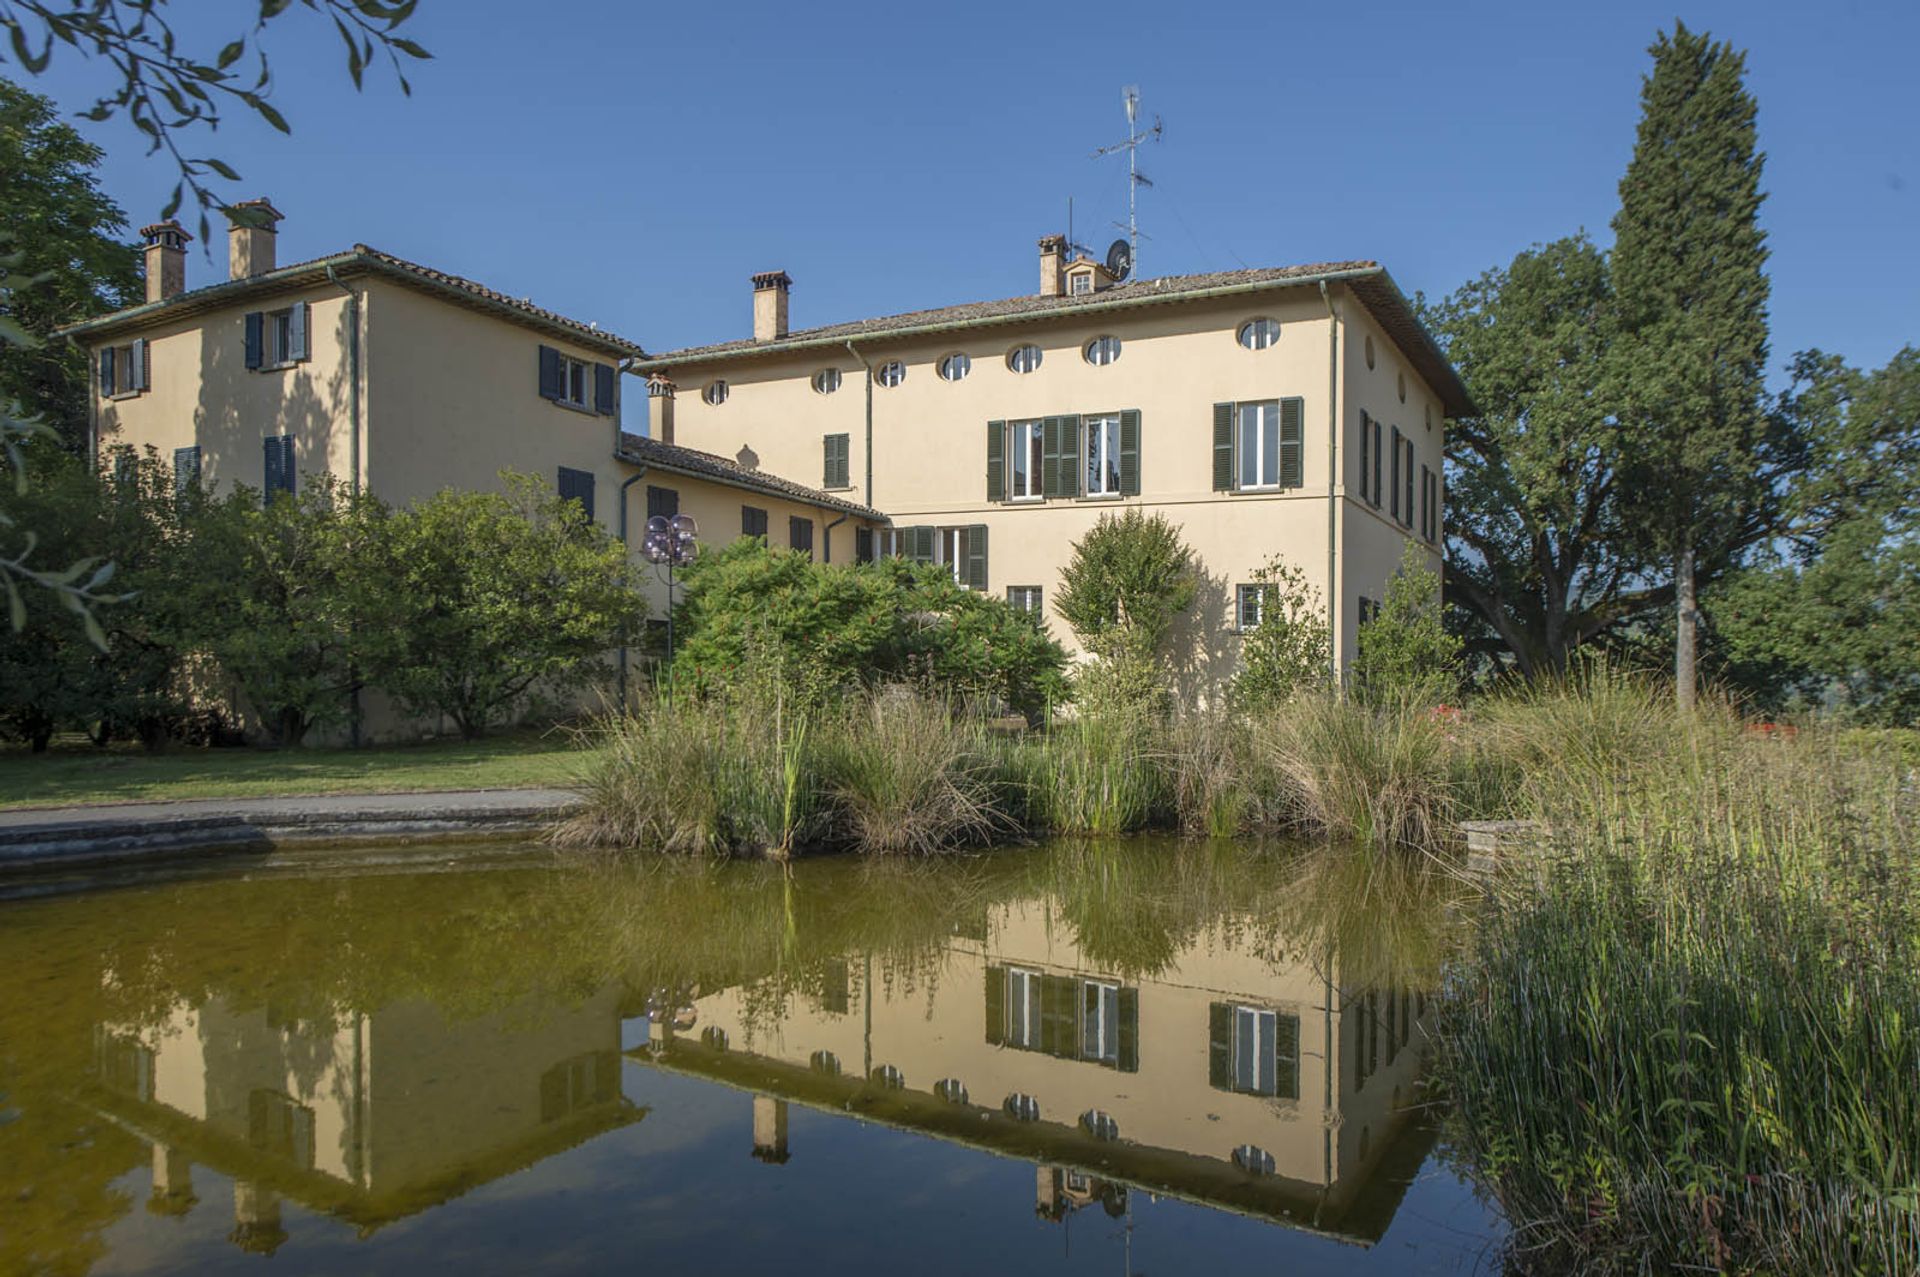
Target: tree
(1831, 613)
(495, 596)
(287, 599)
(1405, 652)
(1289, 651)
(1129, 578)
(1538, 552)
(167, 90)
(71, 262)
(1688, 267)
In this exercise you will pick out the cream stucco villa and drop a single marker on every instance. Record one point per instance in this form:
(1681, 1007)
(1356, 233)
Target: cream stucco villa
(1299, 411)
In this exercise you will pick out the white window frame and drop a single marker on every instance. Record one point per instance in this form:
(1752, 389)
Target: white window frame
(1241, 595)
(1256, 1033)
(1025, 359)
(1103, 351)
(1081, 283)
(891, 373)
(950, 551)
(1025, 445)
(125, 383)
(826, 381)
(1263, 416)
(1023, 1008)
(1262, 332)
(1026, 598)
(1099, 1021)
(1101, 456)
(956, 366)
(713, 394)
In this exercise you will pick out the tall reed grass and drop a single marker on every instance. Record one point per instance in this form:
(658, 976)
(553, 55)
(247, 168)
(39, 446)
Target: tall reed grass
(1376, 774)
(1686, 1034)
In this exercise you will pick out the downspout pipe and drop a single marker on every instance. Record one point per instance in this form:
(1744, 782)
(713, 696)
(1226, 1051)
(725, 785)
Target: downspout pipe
(1333, 479)
(632, 479)
(353, 451)
(869, 367)
(826, 539)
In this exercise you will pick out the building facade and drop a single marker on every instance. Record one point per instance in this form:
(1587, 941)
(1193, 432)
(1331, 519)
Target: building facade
(1297, 412)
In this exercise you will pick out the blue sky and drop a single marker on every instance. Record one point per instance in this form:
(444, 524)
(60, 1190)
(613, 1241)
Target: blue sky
(633, 164)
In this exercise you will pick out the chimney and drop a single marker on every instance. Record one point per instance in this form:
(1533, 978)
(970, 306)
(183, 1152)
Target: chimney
(166, 253)
(770, 305)
(660, 408)
(1053, 260)
(250, 238)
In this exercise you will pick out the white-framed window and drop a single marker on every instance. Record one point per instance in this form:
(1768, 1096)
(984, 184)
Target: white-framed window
(1024, 358)
(951, 1089)
(1100, 1124)
(1024, 598)
(1082, 283)
(1100, 1021)
(1023, 1008)
(1025, 454)
(1250, 606)
(573, 383)
(890, 1077)
(1022, 1107)
(1102, 351)
(1259, 444)
(891, 373)
(950, 552)
(1260, 334)
(1256, 1051)
(714, 393)
(1253, 1159)
(955, 367)
(826, 381)
(123, 369)
(1102, 434)
(280, 343)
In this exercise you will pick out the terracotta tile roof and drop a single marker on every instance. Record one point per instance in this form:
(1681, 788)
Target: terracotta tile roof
(361, 260)
(640, 450)
(1368, 280)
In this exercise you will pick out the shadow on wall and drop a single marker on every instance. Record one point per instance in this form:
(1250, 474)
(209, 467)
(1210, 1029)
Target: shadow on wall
(1202, 646)
(240, 407)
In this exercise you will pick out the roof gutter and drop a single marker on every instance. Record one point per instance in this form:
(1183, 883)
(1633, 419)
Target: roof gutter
(778, 494)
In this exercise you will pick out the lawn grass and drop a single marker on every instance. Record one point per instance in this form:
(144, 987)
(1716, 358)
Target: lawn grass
(79, 773)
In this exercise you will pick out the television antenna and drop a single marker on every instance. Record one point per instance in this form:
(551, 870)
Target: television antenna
(1136, 137)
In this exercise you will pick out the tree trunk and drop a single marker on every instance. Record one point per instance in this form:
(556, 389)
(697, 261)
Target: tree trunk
(1686, 631)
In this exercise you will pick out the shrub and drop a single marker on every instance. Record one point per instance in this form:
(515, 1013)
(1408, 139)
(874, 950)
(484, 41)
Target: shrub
(493, 596)
(1290, 650)
(904, 774)
(1405, 652)
(1378, 774)
(1130, 576)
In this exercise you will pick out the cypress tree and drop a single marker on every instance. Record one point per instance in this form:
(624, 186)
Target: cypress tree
(1688, 269)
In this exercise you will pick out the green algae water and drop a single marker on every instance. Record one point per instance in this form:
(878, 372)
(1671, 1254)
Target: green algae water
(1132, 1056)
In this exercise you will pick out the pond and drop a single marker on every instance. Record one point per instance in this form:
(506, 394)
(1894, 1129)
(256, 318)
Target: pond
(1135, 1056)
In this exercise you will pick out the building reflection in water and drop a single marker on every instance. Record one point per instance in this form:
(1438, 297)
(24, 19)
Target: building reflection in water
(367, 1117)
(1279, 1087)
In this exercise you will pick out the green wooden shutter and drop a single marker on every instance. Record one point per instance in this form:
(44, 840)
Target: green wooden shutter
(996, 1005)
(1394, 488)
(920, 544)
(299, 320)
(1293, 414)
(1130, 452)
(1050, 457)
(1366, 428)
(1407, 483)
(256, 339)
(996, 461)
(1220, 1046)
(140, 379)
(606, 390)
(550, 387)
(1072, 456)
(1129, 1030)
(1286, 1070)
(1375, 497)
(976, 577)
(1222, 447)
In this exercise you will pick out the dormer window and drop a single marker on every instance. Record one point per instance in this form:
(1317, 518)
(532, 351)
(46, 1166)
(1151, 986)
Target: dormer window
(1082, 283)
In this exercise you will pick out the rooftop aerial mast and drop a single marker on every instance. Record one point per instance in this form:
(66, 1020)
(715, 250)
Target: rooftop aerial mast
(1136, 136)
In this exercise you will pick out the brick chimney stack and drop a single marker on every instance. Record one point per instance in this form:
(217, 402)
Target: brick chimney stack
(1053, 261)
(250, 238)
(166, 254)
(770, 305)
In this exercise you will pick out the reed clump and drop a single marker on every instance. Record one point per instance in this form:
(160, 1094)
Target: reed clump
(1379, 774)
(907, 773)
(1686, 1033)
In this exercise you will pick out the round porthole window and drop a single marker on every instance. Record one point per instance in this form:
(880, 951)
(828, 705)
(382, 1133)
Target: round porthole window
(1023, 358)
(1429, 416)
(714, 1036)
(1102, 351)
(715, 393)
(888, 1076)
(1259, 334)
(1022, 1108)
(950, 1090)
(1100, 1125)
(1369, 349)
(825, 1063)
(827, 380)
(1253, 1159)
(891, 373)
(955, 367)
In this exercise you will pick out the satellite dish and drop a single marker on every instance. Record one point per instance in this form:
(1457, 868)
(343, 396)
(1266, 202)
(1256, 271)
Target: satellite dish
(1119, 260)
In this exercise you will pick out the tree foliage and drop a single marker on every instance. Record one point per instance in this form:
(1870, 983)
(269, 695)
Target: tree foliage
(1689, 277)
(168, 91)
(1405, 653)
(70, 261)
(493, 596)
(1538, 551)
(1130, 576)
(1290, 651)
(823, 628)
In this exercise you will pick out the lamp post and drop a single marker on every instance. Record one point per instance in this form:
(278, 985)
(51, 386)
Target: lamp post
(670, 542)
